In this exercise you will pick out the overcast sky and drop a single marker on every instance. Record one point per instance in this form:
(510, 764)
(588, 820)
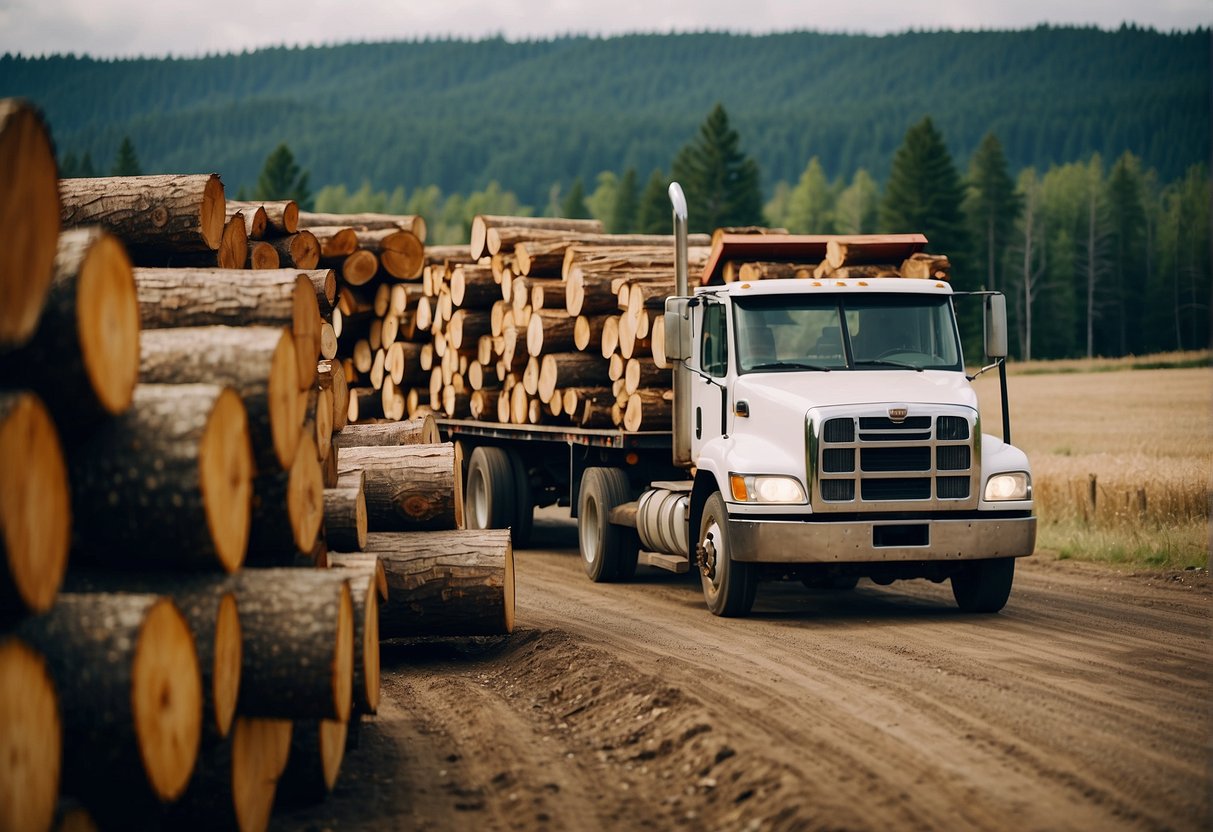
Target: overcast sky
(136, 27)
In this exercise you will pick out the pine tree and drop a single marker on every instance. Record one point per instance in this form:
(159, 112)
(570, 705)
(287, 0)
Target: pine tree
(811, 203)
(573, 205)
(991, 206)
(627, 204)
(282, 178)
(721, 183)
(653, 214)
(1128, 224)
(126, 163)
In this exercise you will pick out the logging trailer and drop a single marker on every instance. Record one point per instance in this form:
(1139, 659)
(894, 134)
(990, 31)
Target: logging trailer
(824, 430)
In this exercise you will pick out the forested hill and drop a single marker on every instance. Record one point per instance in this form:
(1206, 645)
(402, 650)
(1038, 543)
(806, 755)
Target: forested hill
(460, 114)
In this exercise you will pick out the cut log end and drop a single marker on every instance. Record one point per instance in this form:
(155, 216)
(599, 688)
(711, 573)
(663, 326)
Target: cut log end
(225, 674)
(166, 697)
(260, 749)
(30, 207)
(286, 404)
(226, 466)
(343, 657)
(333, 734)
(214, 212)
(30, 738)
(107, 312)
(35, 502)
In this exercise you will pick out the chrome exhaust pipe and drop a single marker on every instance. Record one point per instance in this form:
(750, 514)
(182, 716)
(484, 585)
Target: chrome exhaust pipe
(682, 381)
(679, 201)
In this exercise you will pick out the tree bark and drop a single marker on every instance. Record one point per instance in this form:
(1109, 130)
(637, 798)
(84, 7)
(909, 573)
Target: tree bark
(126, 673)
(550, 331)
(364, 590)
(335, 240)
(282, 217)
(458, 583)
(300, 250)
(258, 362)
(83, 359)
(29, 204)
(345, 513)
(401, 253)
(481, 224)
(408, 488)
(649, 408)
(171, 212)
(570, 369)
(466, 326)
(298, 659)
(422, 430)
(287, 508)
(33, 737)
(254, 219)
(168, 482)
(367, 221)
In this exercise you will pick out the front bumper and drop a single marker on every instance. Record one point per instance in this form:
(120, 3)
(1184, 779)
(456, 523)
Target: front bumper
(784, 541)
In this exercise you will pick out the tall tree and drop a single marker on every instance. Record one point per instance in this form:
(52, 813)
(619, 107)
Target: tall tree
(992, 206)
(720, 181)
(1094, 253)
(282, 178)
(126, 163)
(653, 214)
(1127, 217)
(627, 204)
(856, 210)
(1032, 251)
(573, 205)
(811, 203)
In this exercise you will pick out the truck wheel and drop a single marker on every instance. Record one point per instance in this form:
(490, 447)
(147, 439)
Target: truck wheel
(729, 587)
(608, 552)
(984, 585)
(489, 496)
(524, 506)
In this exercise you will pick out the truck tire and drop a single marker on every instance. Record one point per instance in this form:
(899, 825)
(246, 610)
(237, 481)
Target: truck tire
(608, 552)
(489, 496)
(524, 505)
(984, 585)
(729, 587)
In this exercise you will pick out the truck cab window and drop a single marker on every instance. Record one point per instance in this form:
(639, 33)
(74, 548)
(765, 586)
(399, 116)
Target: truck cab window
(714, 344)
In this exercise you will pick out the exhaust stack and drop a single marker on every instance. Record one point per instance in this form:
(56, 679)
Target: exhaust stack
(682, 381)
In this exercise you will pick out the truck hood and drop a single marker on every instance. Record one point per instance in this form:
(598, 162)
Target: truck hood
(798, 392)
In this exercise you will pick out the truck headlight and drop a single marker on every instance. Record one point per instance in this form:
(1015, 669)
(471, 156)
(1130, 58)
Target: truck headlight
(766, 489)
(1015, 485)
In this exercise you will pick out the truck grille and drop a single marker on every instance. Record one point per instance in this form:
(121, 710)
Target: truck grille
(921, 462)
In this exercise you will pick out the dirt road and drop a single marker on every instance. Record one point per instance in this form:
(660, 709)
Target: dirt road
(1084, 705)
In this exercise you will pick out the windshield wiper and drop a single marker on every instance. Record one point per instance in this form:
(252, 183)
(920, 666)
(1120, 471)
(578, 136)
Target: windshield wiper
(790, 365)
(884, 362)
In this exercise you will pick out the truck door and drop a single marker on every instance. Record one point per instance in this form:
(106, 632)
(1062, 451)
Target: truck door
(709, 390)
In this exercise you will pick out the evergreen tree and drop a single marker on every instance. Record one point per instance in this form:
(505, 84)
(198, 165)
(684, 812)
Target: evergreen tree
(601, 203)
(991, 206)
(857, 207)
(126, 163)
(811, 202)
(282, 178)
(721, 183)
(653, 215)
(87, 169)
(573, 205)
(627, 204)
(1128, 224)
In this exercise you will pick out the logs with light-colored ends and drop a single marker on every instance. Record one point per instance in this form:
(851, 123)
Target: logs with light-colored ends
(298, 659)
(263, 256)
(401, 254)
(235, 297)
(300, 250)
(235, 781)
(640, 373)
(587, 331)
(336, 241)
(168, 483)
(550, 331)
(364, 588)
(324, 281)
(481, 223)
(29, 213)
(209, 608)
(233, 244)
(359, 267)
(457, 583)
(341, 559)
(365, 403)
(367, 221)
(318, 420)
(473, 286)
(317, 749)
(570, 369)
(35, 507)
(83, 359)
(345, 513)
(420, 430)
(130, 692)
(648, 409)
(258, 362)
(331, 377)
(408, 487)
(175, 212)
(589, 407)
(924, 266)
(773, 271)
(287, 508)
(31, 738)
(282, 217)
(254, 219)
(467, 325)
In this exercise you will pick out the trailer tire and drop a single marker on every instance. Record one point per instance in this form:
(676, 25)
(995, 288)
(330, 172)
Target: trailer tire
(983, 585)
(524, 501)
(729, 587)
(489, 496)
(608, 552)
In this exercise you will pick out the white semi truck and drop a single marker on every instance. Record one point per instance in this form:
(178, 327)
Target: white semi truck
(823, 431)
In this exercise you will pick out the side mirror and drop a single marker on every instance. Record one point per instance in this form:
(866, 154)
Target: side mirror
(996, 326)
(677, 328)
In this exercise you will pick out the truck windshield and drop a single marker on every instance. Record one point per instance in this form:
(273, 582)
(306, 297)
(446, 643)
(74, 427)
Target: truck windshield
(781, 333)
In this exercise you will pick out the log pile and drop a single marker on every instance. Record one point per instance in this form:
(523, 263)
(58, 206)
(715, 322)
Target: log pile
(171, 426)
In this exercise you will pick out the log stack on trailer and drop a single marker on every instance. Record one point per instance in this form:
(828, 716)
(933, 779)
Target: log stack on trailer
(171, 424)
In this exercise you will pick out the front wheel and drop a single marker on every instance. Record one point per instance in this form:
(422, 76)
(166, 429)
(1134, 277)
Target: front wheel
(984, 585)
(729, 587)
(608, 552)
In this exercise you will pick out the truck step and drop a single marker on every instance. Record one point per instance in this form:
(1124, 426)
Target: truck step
(670, 563)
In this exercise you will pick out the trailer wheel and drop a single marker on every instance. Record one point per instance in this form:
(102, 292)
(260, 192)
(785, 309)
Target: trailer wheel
(729, 587)
(489, 494)
(524, 505)
(984, 585)
(608, 552)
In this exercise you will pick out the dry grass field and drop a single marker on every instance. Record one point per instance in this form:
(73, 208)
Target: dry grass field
(1122, 454)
